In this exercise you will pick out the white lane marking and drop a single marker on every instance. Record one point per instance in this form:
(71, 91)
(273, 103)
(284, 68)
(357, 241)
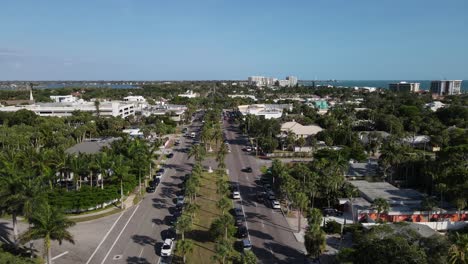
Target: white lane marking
(141, 252)
(117, 239)
(263, 225)
(104, 238)
(58, 256)
(159, 261)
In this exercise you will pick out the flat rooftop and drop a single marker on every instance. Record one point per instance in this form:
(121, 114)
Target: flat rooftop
(395, 196)
(91, 146)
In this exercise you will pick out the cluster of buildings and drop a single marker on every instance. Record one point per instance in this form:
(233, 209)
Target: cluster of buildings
(268, 111)
(66, 105)
(261, 81)
(441, 87)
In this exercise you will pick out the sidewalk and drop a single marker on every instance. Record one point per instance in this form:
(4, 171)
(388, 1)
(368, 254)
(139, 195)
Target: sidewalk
(127, 204)
(293, 224)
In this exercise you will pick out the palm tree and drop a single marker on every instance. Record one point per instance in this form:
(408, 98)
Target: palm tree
(222, 250)
(184, 247)
(222, 152)
(301, 202)
(97, 105)
(222, 186)
(249, 257)
(381, 205)
(120, 170)
(314, 241)
(183, 224)
(458, 252)
(191, 209)
(48, 223)
(428, 204)
(197, 152)
(12, 198)
(460, 202)
(223, 204)
(103, 164)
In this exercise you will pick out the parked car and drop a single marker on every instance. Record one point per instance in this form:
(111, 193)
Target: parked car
(166, 249)
(260, 196)
(239, 220)
(248, 149)
(170, 155)
(246, 245)
(150, 189)
(238, 211)
(331, 212)
(158, 176)
(275, 204)
(242, 231)
(236, 194)
(180, 201)
(271, 195)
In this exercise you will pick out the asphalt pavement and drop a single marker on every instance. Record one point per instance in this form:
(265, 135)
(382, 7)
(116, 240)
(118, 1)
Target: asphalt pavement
(272, 239)
(135, 235)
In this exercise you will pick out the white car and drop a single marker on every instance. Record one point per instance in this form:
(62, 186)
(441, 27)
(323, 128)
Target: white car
(166, 249)
(236, 195)
(275, 204)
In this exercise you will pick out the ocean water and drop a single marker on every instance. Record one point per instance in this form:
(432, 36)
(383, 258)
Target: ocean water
(425, 84)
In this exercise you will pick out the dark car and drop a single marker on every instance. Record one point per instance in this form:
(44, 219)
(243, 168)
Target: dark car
(261, 196)
(161, 170)
(242, 231)
(154, 183)
(332, 212)
(239, 220)
(248, 169)
(238, 211)
(170, 155)
(150, 189)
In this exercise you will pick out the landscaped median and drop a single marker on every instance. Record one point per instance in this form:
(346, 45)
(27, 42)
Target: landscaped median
(203, 244)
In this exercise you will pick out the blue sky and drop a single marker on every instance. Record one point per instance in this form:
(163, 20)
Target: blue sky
(216, 39)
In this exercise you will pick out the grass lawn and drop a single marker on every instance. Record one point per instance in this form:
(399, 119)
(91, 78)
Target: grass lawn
(203, 246)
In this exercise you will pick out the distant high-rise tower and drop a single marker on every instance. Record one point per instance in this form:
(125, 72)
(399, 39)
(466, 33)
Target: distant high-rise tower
(292, 80)
(444, 87)
(404, 87)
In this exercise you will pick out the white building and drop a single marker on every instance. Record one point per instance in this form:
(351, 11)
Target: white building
(292, 80)
(261, 81)
(434, 106)
(63, 98)
(135, 98)
(111, 108)
(268, 111)
(242, 96)
(176, 112)
(189, 94)
(300, 130)
(446, 87)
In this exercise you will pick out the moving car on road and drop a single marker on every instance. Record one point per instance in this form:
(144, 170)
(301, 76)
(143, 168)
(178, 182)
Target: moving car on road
(248, 169)
(166, 249)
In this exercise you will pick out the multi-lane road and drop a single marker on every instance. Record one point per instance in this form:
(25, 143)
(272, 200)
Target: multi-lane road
(272, 239)
(136, 235)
